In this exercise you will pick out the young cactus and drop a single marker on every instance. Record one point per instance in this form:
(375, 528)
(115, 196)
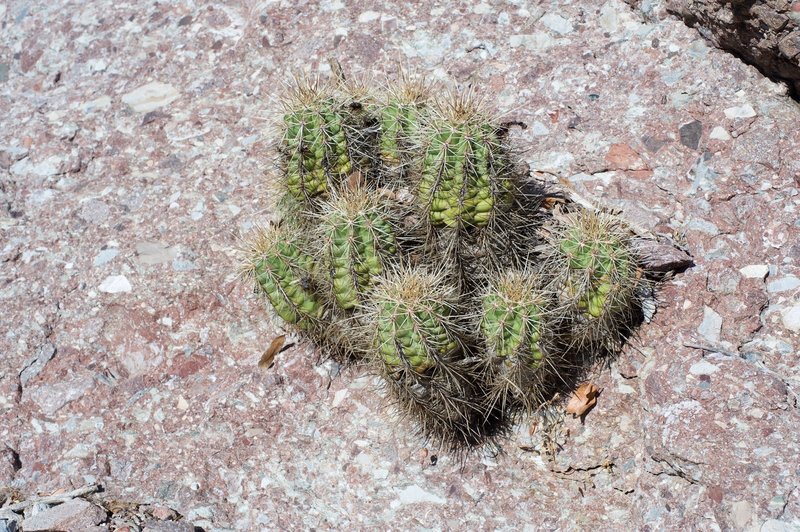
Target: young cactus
(591, 260)
(316, 149)
(357, 228)
(465, 178)
(282, 271)
(515, 326)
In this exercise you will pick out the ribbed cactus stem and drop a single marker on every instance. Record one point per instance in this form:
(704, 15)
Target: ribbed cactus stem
(412, 318)
(464, 179)
(282, 272)
(360, 239)
(512, 320)
(316, 149)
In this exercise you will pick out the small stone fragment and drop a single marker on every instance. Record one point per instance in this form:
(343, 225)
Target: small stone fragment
(168, 526)
(703, 368)
(151, 97)
(711, 327)
(556, 23)
(791, 318)
(744, 111)
(115, 284)
(784, 284)
(755, 271)
(690, 134)
(150, 253)
(719, 133)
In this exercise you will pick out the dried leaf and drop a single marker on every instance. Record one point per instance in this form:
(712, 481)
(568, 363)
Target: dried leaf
(583, 399)
(355, 180)
(273, 349)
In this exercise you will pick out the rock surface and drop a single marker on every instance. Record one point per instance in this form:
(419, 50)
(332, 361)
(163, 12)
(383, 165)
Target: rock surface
(765, 33)
(153, 387)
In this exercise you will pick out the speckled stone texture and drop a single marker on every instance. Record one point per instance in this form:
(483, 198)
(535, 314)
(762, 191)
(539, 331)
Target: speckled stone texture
(134, 139)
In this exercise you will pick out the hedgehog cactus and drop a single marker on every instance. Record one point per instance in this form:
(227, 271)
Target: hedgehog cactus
(282, 272)
(513, 324)
(360, 239)
(413, 327)
(591, 259)
(464, 179)
(315, 145)
(399, 120)
(524, 295)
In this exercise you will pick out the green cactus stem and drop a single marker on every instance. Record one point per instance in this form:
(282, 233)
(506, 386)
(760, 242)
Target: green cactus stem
(512, 319)
(360, 239)
(412, 312)
(283, 273)
(464, 178)
(399, 120)
(315, 146)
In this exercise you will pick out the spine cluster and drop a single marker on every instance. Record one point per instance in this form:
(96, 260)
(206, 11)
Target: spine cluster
(410, 242)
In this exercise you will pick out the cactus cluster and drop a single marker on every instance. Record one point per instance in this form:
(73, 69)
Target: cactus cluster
(411, 241)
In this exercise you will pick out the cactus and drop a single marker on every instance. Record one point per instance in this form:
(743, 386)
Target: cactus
(528, 289)
(399, 120)
(514, 323)
(591, 260)
(360, 239)
(420, 349)
(283, 273)
(464, 179)
(317, 152)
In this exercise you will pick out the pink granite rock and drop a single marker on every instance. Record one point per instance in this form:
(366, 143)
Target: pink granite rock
(153, 389)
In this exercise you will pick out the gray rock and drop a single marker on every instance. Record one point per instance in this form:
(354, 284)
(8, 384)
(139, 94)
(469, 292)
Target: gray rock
(43, 355)
(77, 514)
(168, 526)
(690, 134)
(784, 284)
(711, 327)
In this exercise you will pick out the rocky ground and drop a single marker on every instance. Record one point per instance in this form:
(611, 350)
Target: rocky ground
(134, 139)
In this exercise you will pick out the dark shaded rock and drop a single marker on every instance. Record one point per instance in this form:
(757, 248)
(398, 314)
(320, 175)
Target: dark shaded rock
(764, 33)
(690, 134)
